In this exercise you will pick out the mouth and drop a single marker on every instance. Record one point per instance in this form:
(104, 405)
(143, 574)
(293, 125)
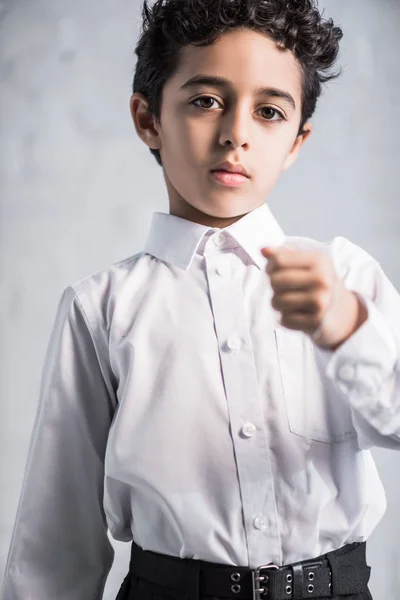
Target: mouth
(228, 178)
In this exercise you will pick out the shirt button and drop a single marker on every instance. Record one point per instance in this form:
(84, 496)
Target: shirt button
(347, 372)
(219, 239)
(248, 429)
(223, 270)
(234, 342)
(260, 522)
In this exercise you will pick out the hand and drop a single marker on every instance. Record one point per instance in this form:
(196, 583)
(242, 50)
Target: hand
(311, 297)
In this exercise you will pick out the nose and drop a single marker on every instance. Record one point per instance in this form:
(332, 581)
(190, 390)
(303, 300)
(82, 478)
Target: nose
(235, 127)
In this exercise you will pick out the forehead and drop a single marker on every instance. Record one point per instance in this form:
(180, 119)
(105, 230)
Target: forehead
(247, 58)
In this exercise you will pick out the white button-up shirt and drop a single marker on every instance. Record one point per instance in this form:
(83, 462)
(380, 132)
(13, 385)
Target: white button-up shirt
(175, 410)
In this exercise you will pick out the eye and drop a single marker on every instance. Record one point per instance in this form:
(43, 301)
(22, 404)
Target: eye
(202, 99)
(271, 111)
(274, 112)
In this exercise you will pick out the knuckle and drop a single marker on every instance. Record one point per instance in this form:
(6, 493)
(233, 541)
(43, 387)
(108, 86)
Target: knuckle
(275, 301)
(319, 303)
(324, 282)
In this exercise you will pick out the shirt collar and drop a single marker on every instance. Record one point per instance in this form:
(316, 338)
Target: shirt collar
(176, 240)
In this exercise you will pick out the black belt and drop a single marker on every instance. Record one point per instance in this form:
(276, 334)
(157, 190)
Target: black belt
(341, 572)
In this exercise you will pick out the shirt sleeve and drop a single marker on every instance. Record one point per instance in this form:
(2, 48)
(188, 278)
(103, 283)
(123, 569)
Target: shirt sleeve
(365, 369)
(59, 547)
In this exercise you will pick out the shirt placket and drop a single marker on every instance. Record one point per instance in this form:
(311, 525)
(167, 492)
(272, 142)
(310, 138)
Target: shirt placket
(245, 404)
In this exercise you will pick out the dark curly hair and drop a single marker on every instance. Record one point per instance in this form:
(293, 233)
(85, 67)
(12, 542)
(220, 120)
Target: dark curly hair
(297, 25)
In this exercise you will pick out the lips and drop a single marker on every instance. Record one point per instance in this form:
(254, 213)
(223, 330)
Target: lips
(227, 178)
(231, 168)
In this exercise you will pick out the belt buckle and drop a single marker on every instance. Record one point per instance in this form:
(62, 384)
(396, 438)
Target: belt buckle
(257, 577)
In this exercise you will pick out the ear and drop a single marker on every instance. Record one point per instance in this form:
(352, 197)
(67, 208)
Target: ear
(144, 121)
(299, 141)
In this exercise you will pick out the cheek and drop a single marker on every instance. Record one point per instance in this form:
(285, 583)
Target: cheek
(270, 157)
(184, 151)
(198, 135)
(277, 149)
(180, 139)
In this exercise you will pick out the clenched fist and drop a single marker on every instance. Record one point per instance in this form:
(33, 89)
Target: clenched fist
(311, 297)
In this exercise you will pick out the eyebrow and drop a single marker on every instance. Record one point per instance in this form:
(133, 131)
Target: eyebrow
(221, 82)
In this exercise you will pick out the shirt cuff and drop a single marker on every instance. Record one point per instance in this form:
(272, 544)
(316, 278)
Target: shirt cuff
(366, 359)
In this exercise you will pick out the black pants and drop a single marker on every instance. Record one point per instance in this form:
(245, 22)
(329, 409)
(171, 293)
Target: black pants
(135, 587)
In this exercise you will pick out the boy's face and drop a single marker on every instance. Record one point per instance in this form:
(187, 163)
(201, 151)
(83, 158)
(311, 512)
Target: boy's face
(235, 122)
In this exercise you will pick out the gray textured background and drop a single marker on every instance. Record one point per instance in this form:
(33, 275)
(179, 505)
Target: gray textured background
(78, 189)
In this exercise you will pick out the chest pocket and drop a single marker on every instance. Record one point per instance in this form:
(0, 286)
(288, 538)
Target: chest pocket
(314, 410)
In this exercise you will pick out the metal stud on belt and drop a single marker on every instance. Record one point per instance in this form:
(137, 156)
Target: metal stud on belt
(257, 577)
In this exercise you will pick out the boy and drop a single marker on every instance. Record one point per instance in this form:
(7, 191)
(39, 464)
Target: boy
(231, 450)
